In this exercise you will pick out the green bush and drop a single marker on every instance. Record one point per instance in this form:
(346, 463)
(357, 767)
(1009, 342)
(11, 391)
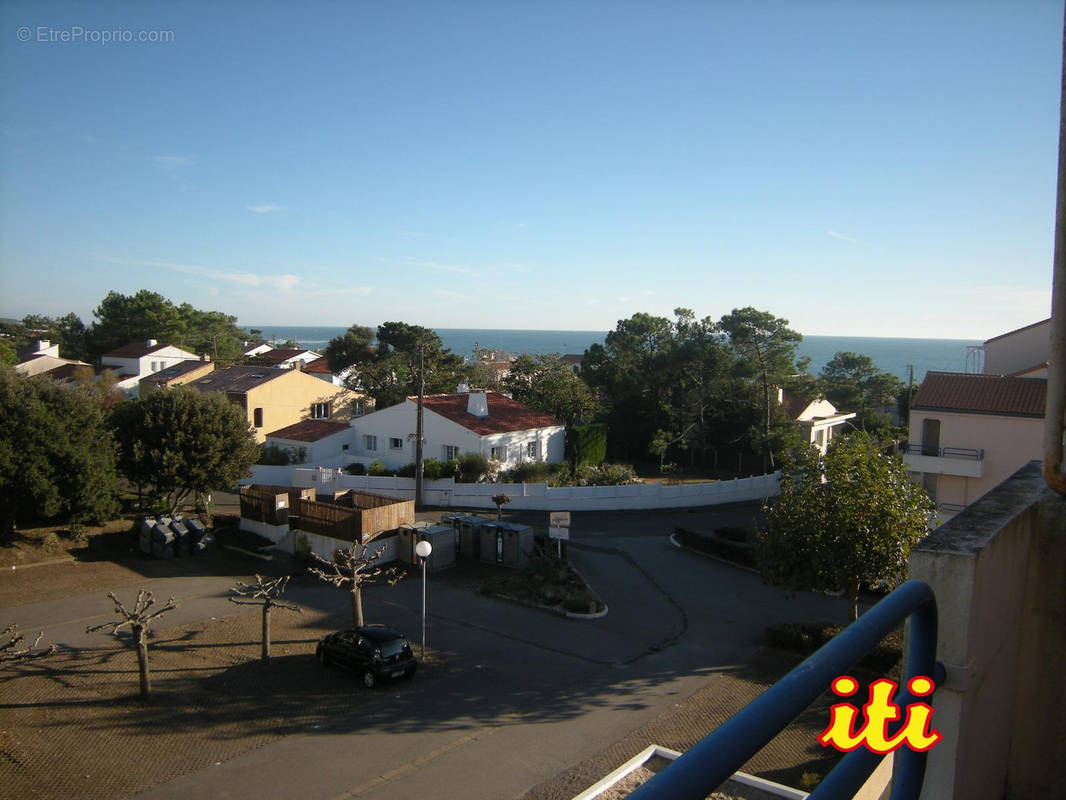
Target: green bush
(805, 638)
(472, 467)
(528, 472)
(586, 444)
(356, 468)
(272, 455)
(377, 470)
(432, 469)
(606, 475)
(408, 470)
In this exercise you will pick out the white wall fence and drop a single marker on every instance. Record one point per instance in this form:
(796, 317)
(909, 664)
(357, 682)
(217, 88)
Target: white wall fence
(530, 496)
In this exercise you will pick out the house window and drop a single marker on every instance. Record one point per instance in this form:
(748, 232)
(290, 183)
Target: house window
(320, 410)
(450, 452)
(358, 408)
(395, 444)
(370, 443)
(344, 447)
(531, 450)
(257, 417)
(498, 453)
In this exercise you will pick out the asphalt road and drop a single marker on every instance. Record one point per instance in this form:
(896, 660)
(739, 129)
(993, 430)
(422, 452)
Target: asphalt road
(527, 693)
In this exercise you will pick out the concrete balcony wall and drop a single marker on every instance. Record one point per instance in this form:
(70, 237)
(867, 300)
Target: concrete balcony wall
(997, 570)
(945, 465)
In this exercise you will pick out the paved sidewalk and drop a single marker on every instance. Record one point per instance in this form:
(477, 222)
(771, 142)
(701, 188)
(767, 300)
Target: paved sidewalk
(682, 726)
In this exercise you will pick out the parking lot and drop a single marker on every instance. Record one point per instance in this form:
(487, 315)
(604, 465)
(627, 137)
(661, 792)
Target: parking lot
(511, 700)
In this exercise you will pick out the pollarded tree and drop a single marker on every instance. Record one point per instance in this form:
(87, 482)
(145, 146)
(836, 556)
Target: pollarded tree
(12, 649)
(181, 442)
(856, 527)
(57, 455)
(354, 568)
(266, 593)
(139, 621)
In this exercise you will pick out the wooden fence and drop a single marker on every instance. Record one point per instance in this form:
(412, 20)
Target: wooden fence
(357, 517)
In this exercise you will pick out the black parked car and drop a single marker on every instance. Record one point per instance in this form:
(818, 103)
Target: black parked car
(375, 651)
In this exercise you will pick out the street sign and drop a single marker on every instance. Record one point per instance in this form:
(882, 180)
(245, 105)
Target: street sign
(559, 525)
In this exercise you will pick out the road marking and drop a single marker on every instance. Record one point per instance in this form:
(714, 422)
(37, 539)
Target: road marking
(421, 761)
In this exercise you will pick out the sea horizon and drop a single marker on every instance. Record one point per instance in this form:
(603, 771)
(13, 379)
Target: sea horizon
(892, 354)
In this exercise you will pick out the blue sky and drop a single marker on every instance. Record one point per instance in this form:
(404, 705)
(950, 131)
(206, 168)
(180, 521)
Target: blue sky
(869, 169)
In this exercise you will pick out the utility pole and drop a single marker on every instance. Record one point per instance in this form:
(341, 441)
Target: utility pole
(418, 427)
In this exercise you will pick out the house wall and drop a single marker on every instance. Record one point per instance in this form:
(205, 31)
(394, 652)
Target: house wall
(1008, 443)
(1019, 350)
(314, 452)
(400, 421)
(287, 399)
(153, 362)
(997, 572)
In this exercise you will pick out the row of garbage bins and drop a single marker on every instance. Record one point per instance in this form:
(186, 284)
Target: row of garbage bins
(177, 536)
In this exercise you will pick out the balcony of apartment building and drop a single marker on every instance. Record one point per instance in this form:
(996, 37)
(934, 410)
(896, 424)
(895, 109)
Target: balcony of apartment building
(962, 462)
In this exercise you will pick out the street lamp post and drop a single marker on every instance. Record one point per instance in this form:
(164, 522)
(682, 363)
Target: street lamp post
(422, 550)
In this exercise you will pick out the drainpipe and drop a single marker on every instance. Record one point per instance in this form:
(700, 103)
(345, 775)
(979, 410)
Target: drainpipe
(1056, 381)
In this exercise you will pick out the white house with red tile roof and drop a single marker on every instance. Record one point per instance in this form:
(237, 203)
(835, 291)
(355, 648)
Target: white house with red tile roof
(286, 358)
(489, 423)
(970, 432)
(137, 360)
(818, 418)
(312, 440)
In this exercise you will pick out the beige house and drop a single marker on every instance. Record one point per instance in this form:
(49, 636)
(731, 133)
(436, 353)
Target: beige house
(1022, 352)
(970, 432)
(276, 398)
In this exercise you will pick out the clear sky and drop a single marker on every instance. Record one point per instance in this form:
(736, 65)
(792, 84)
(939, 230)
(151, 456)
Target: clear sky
(859, 168)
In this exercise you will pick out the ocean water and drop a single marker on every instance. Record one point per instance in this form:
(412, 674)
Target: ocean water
(896, 356)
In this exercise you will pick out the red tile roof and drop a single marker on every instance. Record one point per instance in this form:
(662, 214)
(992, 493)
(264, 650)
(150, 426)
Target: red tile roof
(505, 415)
(982, 394)
(319, 365)
(135, 350)
(1023, 372)
(278, 356)
(794, 405)
(309, 430)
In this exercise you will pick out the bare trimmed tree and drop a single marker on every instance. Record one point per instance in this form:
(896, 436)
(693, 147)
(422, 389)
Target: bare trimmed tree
(139, 620)
(354, 568)
(264, 592)
(500, 500)
(10, 650)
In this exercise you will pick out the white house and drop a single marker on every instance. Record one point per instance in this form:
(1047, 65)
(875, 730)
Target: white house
(136, 360)
(818, 418)
(970, 432)
(312, 441)
(489, 423)
(287, 358)
(256, 350)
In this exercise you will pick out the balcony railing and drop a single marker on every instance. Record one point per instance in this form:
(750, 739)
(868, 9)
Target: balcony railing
(968, 453)
(711, 761)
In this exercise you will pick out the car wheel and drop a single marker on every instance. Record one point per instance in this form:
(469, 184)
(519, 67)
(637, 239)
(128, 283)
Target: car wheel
(368, 679)
(323, 659)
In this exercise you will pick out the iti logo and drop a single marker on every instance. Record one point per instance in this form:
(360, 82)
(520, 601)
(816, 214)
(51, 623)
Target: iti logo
(876, 715)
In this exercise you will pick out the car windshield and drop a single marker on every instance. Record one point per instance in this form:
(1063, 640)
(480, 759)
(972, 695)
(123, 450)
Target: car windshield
(392, 647)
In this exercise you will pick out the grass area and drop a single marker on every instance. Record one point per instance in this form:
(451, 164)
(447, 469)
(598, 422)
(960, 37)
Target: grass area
(51, 542)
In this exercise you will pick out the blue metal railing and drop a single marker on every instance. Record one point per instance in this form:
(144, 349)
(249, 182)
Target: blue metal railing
(711, 761)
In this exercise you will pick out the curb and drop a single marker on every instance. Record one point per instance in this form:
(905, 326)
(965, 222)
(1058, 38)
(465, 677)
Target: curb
(236, 549)
(49, 562)
(557, 611)
(719, 559)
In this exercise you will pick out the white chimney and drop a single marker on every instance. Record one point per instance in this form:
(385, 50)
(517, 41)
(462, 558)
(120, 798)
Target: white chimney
(477, 404)
(43, 344)
(151, 342)
(464, 387)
